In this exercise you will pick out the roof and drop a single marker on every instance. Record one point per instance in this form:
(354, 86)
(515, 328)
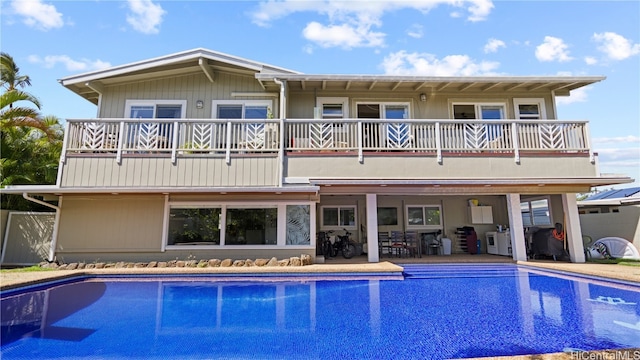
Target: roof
(628, 196)
(561, 85)
(89, 85)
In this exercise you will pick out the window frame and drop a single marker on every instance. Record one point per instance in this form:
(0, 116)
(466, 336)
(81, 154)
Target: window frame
(383, 105)
(244, 103)
(542, 111)
(280, 229)
(478, 109)
(531, 215)
(423, 226)
(321, 101)
(129, 103)
(339, 208)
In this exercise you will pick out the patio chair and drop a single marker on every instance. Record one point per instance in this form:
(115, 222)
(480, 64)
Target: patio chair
(384, 243)
(398, 245)
(411, 243)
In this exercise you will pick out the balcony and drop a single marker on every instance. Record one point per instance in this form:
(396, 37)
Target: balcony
(215, 152)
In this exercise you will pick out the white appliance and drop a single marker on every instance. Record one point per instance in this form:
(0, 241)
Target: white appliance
(492, 244)
(503, 240)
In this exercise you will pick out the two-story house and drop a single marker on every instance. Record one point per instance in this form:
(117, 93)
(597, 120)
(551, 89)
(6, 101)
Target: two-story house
(209, 155)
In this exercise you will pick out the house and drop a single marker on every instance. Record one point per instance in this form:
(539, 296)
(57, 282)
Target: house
(203, 154)
(612, 213)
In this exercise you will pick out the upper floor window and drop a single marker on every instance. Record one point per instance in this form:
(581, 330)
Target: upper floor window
(241, 109)
(529, 109)
(155, 109)
(480, 111)
(383, 110)
(332, 108)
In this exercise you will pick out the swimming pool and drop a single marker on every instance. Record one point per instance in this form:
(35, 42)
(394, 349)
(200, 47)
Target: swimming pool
(435, 311)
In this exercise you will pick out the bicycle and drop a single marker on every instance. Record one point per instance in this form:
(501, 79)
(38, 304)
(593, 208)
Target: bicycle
(341, 244)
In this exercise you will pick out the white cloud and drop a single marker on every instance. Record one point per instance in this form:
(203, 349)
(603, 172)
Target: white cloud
(50, 61)
(146, 16)
(269, 11)
(38, 14)
(416, 31)
(553, 49)
(576, 96)
(615, 46)
(344, 35)
(493, 45)
(617, 140)
(403, 63)
(357, 19)
(590, 60)
(619, 157)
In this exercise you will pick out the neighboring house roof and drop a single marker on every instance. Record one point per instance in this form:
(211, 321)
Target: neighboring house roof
(628, 196)
(89, 85)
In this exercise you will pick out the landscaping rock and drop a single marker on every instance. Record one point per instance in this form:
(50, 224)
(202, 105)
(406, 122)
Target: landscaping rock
(272, 262)
(261, 262)
(238, 263)
(100, 265)
(226, 263)
(192, 263)
(180, 263)
(306, 259)
(248, 263)
(72, 266)
(214, 262)
(283, 262)
(90, 266)
(139, 265)
(203, 263)
(152, 264)
(295, 261)
(162, 264)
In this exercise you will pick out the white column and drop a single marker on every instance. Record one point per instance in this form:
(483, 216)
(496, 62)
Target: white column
(372, 228)
(518, 244)
(573, 233)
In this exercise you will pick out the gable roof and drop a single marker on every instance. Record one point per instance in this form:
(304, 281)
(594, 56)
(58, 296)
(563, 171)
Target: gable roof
(89, 84)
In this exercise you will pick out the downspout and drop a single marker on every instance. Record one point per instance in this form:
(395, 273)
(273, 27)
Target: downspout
(54, 236)
(282, 113)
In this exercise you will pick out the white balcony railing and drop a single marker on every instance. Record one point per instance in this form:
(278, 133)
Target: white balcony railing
(225, 136)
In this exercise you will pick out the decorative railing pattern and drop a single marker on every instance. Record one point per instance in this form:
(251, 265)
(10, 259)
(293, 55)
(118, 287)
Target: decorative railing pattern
(227, 136)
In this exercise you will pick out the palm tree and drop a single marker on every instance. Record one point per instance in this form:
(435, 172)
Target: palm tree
(10, 73)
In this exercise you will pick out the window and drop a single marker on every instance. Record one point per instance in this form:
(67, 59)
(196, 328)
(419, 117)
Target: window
(489, 111)
(193, 224)
(251, 226)
(332, 107)
(529, 109)
(241, 109)
(387, 216)
(536, 212)
(152, 135)
(395, 135)
(338, 217)
(424, 217)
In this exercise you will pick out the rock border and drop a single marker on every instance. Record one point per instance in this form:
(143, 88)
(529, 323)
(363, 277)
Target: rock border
(293, 261)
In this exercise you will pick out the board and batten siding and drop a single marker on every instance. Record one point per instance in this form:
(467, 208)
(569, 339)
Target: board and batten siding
(191, 88)
(110, 223)
(160, 172)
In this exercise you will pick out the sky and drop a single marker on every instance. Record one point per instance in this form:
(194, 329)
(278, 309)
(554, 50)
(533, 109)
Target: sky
(50, 40)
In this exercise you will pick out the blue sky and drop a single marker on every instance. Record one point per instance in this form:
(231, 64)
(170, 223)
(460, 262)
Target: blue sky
(53, 39)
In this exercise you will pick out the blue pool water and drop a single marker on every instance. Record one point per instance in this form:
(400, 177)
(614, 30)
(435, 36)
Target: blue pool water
(436, 311)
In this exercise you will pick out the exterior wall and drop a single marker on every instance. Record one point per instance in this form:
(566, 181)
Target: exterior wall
(98, 228)
(4, 215)
(160, 172)
(28, 237)
(437, 106)
(334, 165)
(189, 87)
(624, 224)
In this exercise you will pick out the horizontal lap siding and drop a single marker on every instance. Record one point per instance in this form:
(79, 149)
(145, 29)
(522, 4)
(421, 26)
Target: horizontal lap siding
(111, 223)
(160, 172)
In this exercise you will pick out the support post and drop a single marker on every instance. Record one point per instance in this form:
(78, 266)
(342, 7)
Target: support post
(573, 233)
(372, 228)
(518, 243)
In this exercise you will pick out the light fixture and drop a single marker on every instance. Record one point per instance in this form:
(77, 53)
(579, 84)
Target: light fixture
(423, 97)
(199, 104)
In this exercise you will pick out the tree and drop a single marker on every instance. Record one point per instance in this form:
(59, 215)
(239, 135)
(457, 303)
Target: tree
(30, 144)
